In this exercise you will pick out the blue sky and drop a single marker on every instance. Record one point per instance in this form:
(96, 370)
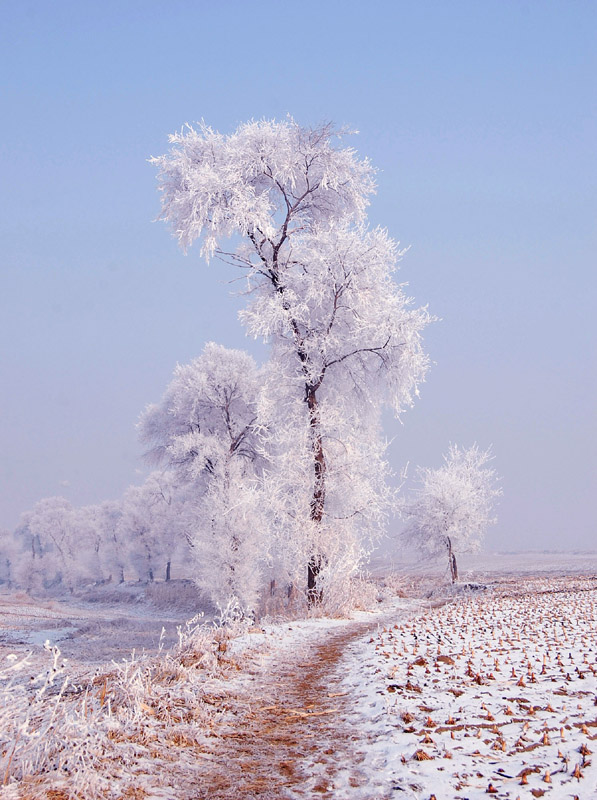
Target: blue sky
(481, 119)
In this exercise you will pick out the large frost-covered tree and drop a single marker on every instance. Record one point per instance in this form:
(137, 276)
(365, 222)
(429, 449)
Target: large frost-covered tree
(204, 431)
(345, 338)
(451, 507)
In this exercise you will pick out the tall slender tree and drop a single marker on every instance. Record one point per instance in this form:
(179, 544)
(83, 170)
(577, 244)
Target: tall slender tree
(345, 337)
(113, 551)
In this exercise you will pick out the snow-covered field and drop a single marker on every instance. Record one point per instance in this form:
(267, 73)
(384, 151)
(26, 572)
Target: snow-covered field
(487, 692)
(493, 694)
(93, 629)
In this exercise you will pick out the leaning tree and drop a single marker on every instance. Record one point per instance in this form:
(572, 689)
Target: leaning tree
(450, 509)
(345, 338)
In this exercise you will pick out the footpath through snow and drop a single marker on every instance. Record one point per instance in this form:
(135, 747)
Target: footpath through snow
(299, 736)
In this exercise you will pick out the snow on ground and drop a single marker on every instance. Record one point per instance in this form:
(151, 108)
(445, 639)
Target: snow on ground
(292, 733)
(493, 694)
(490, 691)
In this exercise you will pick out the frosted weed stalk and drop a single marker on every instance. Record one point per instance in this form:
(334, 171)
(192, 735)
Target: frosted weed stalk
(41, 729)
(94, 739)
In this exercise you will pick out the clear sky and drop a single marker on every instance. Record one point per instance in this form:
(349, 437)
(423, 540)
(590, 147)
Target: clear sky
(481, 117)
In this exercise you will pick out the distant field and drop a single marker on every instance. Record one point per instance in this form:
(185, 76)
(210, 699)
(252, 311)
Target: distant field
(113, 621)
(489, 564)
(103, 625)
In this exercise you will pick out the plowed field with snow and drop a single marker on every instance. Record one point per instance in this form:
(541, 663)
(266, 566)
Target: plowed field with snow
(489, 695)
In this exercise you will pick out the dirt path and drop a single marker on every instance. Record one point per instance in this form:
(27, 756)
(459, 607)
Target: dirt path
(296, 741)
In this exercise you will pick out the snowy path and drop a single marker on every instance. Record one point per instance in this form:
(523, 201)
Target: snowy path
(298, 739)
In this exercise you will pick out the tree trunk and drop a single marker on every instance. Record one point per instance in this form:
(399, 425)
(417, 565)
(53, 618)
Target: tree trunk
(315, 595)
(452, 561)
(168, 571)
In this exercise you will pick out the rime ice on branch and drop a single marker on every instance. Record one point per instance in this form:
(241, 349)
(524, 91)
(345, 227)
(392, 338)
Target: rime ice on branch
(345, 338)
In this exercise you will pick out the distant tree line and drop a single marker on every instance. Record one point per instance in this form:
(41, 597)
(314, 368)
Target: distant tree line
(58, 546)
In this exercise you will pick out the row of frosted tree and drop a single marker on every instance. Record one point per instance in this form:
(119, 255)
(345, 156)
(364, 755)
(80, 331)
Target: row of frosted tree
(60, 546)
(276, 472)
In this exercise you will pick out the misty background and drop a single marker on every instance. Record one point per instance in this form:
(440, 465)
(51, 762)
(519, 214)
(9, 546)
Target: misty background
(481, 119)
